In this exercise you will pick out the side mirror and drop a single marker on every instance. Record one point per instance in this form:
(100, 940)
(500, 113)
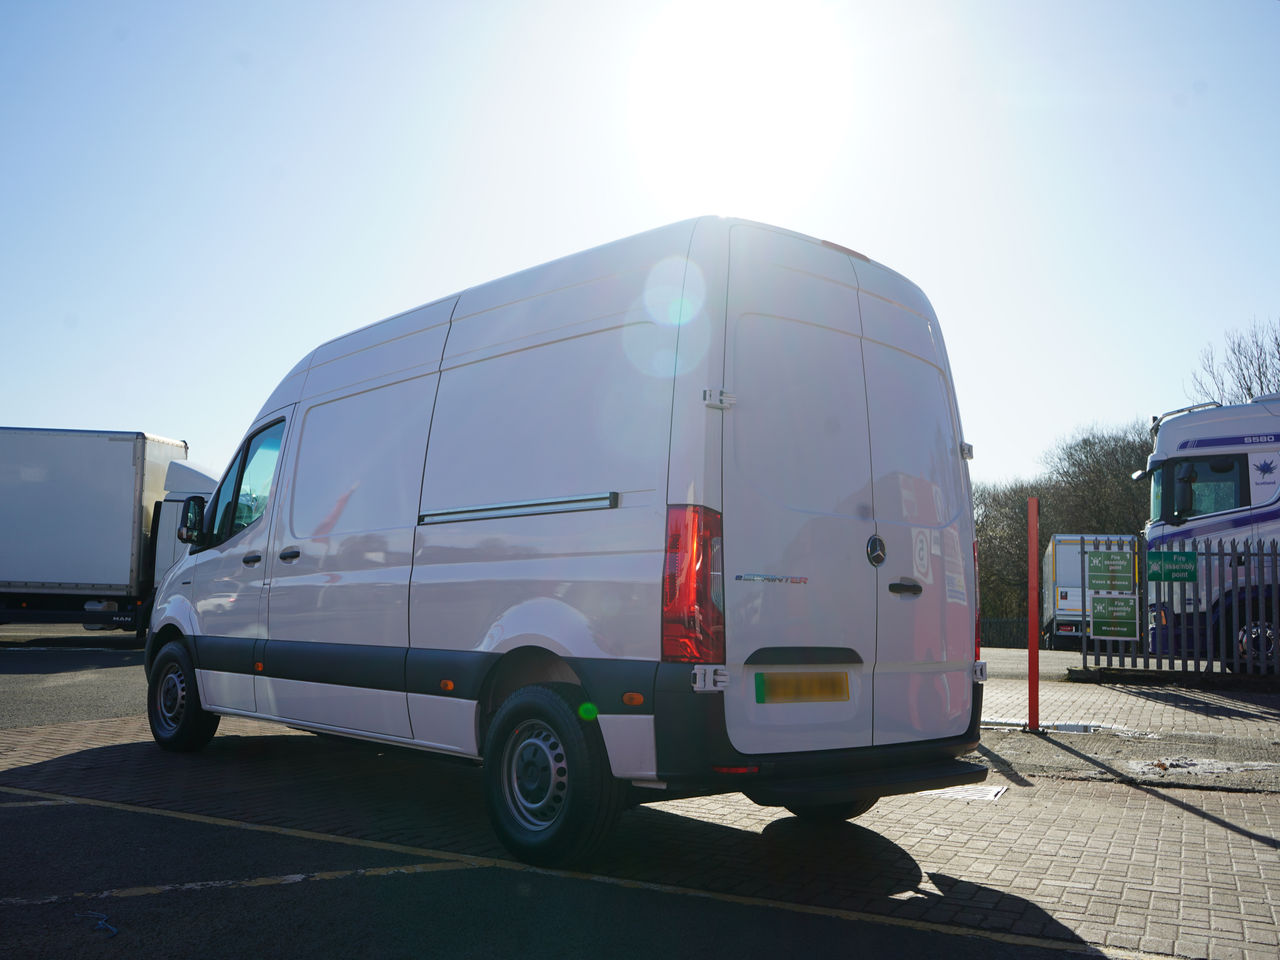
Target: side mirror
(191, 522)
(1183, 497)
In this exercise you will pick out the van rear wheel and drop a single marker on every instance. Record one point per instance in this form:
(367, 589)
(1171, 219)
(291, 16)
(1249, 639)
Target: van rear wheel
(548, 786)
(178, 721)
(831, 812)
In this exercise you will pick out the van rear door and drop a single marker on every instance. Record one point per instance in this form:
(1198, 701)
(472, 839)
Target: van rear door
(848, 614)
(924, 602)
(800, 600)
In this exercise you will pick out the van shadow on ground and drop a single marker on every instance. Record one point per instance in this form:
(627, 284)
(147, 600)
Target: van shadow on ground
(346, 788)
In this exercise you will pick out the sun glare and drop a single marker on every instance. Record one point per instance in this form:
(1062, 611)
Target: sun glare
(740, 108)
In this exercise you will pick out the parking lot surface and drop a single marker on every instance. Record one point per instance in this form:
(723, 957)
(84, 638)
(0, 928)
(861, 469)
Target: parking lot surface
(1076, 855)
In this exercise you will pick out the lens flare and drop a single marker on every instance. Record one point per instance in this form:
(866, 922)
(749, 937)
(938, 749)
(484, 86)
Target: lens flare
(674, 292)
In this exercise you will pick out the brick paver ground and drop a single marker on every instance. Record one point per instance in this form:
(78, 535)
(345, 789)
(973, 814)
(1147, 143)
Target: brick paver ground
(1139, 708)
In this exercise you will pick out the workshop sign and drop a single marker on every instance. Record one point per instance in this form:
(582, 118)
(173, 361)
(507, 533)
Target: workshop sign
(1115, 617)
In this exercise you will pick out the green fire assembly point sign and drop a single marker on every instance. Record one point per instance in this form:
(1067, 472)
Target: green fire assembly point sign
(1171, 566)
(1115, 617)
(1110, 570)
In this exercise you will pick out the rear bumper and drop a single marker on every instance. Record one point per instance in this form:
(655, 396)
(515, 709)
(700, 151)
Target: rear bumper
(857, 785)
(692, 741)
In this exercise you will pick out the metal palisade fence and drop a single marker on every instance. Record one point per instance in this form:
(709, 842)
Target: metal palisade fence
(1203, 607)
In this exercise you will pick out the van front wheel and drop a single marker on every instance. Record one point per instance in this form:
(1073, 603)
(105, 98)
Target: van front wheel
(178, 722)
(550, 793)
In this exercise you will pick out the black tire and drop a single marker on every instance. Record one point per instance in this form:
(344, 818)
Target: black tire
(550, 793)
(178, 721)
(831, 812)
(1256, 641)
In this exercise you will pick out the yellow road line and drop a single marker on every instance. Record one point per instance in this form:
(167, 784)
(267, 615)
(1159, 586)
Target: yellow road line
(34, 803)
(445, 860)
(260, 828)
(433, 867)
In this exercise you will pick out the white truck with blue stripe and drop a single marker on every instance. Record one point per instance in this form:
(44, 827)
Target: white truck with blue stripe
(1215, 489)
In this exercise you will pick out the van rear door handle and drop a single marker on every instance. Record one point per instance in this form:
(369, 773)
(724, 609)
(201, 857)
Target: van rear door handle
(906, 585)
(290, 555)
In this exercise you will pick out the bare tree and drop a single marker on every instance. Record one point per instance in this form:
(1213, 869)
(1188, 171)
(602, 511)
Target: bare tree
(1249, 368)
(1089, 475)
(1086, 489)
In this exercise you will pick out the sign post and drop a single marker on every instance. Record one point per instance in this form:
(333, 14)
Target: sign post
(1033, 614)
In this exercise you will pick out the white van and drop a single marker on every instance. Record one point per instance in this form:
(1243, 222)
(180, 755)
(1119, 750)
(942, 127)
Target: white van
(684, 514)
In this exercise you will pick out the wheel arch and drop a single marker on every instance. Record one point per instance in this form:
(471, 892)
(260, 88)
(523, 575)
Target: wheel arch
(156, 642)
(523, 666)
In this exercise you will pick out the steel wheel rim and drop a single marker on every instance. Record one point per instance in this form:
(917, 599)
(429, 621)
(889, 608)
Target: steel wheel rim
(171, 698)
(535, 775)
(1258, 639)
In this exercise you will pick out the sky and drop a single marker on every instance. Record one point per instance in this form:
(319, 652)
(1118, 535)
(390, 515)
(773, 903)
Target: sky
(194, 195)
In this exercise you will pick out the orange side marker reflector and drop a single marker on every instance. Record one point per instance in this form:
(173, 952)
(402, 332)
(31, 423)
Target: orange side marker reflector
(446, 685)
(633, 699)
(258, 666)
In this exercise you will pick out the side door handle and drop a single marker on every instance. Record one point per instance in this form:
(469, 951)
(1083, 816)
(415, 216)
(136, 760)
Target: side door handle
(906, 585)
(290, 555)
(250, 559)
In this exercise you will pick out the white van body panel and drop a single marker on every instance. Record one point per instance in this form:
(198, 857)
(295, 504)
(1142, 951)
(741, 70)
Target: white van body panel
(630, 743)
(444, 723)
(597, 340)
(698, 411)
(229, 691)
(334, 705)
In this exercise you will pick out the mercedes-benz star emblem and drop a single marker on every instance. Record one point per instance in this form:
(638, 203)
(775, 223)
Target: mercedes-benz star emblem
(876, 550)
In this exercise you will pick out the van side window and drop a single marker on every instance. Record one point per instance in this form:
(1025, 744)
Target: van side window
(224, 498)
(243, 496)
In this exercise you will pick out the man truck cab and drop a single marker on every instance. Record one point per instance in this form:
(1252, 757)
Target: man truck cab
(687, 513)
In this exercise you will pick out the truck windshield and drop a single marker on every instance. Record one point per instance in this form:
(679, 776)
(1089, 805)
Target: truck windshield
(1201, 485)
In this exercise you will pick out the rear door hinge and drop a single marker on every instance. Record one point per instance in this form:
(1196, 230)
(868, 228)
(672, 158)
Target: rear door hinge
(709, 679)
(718, 399)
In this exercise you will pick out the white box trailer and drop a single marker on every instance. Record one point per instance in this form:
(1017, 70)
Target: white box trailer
(78, 512)
(688, 513)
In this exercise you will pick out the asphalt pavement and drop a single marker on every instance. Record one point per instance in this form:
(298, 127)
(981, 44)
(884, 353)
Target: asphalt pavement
(1141, 821)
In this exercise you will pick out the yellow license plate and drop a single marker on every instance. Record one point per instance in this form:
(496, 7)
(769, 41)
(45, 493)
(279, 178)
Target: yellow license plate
(802, 687)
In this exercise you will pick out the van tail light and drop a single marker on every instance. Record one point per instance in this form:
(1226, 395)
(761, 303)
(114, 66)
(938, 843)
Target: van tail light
(977, 608)
(693, 587)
